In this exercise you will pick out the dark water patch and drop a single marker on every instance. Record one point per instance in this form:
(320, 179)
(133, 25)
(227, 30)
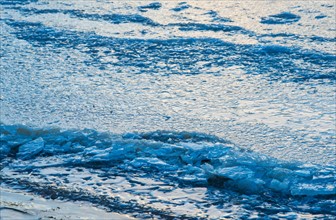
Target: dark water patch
(216, 18)
(208, 27)
(136, 18)
(31, 11)
(151, 6)
(320, 16)
(184, 55)
(274, 49)
(176, 137)
(181, 7)
(322, 39)
(288, 35)
(327, 5)
(40, 35)
(298, 37)
(287, 63)
(282, 18)
(16, 2)
(111, 18)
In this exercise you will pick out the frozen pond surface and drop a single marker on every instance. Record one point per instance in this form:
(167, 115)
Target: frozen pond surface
(233, 101)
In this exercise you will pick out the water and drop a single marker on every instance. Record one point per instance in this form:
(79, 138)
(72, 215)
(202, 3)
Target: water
(197, 109)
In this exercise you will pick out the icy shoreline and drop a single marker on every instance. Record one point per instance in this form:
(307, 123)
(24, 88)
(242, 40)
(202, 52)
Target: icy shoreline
(17, 204)
(171, 110)
(163, 173)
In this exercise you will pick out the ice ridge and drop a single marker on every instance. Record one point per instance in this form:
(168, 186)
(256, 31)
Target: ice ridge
(187, 157)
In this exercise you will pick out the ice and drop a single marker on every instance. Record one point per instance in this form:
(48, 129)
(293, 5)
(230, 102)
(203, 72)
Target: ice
(306, 189)
(282, 18)
(279, 186)
(143, 162)
(235, 173)
(280, 173)
(4, 150)
(153, 6)
(196, 157)
(31, 149)
(181, 7)
(304, 173)
(251, 185)
(175, 158)
(53, 149)
(181, 94)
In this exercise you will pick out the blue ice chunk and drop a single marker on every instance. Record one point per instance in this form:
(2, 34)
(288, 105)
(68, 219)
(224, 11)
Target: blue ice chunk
(119, 151)
(282, 18)
(15, 141)
(235, 173)
(306, 189)
(170, 153)
(250, 185)
(131, 136)
(280, 173)
(31, 149)
(189, 169)
(53, 149)
(194, 180)
(303, 173)
(153, 6)
(77, 147)
(8, 130)
(148, 162)
(181, 6)
(279, 186)
(199, 158)
(4, 150)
